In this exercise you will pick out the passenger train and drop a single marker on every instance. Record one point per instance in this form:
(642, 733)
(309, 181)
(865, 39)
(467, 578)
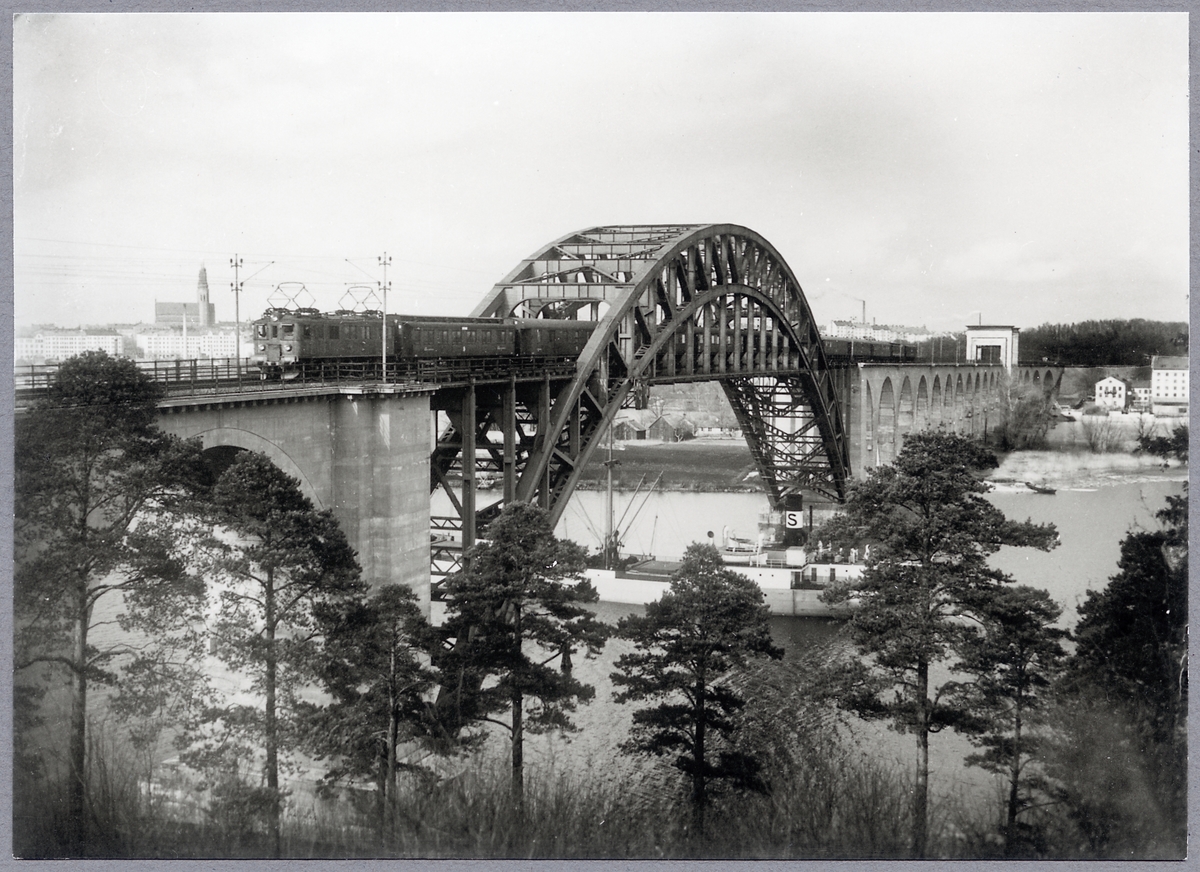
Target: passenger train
(288, 340)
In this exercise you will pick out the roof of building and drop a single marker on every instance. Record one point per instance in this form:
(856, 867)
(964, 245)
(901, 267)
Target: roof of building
(1168, 361)
(639, 419)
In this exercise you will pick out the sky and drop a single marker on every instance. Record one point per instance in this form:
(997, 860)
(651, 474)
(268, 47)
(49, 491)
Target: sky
(939, 168)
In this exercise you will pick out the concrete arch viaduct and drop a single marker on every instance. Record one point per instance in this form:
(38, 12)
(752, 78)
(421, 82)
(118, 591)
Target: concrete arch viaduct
(671, 303)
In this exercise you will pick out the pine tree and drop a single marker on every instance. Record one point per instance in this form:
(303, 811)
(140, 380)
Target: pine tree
(100, 506)
(372, 662)
(930, 531)
(511, 614)
(280, 562)
(710, 622)
(1013, 656)
(1131, 663)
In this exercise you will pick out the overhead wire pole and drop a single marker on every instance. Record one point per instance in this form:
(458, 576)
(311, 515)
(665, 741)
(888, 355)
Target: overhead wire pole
(237, 287)
(384, 261)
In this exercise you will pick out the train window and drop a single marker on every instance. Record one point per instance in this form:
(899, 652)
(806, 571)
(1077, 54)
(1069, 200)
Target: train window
(274, 331)
(289, 330)
(262, 331)
(333, 331)
(308, 331)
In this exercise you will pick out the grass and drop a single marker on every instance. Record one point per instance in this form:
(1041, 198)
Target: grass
(832, 805)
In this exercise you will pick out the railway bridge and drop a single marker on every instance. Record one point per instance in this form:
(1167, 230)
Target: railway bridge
(670, 303)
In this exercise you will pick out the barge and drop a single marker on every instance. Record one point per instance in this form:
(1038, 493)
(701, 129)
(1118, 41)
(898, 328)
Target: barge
(791, 583)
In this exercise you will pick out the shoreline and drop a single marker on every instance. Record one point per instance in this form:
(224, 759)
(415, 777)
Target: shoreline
(724, 466)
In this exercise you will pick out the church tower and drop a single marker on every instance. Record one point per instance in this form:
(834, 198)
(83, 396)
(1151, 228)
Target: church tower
(206, 313)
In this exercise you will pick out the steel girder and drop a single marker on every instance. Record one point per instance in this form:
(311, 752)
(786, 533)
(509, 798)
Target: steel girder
(672, 303)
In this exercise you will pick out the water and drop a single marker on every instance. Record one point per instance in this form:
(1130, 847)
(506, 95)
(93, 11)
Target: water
(662, 524)
(1091, 523)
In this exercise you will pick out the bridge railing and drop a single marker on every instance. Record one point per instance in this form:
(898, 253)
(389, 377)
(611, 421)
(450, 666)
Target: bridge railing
(196, 377)
(179, 376)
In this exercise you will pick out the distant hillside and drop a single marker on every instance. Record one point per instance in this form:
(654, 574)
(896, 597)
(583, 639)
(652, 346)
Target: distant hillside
(1103, 343)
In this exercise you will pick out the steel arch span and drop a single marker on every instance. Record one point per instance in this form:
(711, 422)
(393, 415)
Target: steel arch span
(671, 303)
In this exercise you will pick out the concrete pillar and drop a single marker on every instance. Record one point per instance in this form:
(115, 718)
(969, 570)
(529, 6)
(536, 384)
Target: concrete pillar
(380, 486)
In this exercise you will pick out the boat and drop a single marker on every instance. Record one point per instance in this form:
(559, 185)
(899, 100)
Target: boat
(1039, 489)
(736, 550)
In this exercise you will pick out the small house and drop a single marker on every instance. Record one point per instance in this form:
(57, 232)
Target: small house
(1113, 393)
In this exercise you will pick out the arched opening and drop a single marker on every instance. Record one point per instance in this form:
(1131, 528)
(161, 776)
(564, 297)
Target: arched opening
(960, 401)
(904, 412)
(870, 446)
(222, 444)
(887, 422)
(217, 459)
(1048, 383)
(922, 414)
(935, 403)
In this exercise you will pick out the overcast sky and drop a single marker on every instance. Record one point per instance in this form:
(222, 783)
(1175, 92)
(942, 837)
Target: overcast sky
(943, 168)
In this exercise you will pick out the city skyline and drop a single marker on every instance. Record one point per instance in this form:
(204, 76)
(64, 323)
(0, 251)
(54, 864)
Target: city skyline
(1014, 168)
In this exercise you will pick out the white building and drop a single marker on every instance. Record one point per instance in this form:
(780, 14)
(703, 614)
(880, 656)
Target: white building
(1112, 393)
(1169, 385)
(993, 344)
(874, 332)
(1141, 396)
(175, 346)
(53, 345)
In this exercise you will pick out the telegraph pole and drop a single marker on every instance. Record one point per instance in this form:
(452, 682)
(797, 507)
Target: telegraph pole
(236, 287)
(385, 261)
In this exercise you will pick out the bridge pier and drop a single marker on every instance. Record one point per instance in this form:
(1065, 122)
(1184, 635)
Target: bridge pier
(362, 453)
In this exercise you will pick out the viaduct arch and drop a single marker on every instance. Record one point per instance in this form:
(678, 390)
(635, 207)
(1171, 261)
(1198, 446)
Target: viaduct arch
(965, 398)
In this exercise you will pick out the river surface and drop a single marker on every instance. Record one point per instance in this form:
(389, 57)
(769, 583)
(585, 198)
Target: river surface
(1091, 523)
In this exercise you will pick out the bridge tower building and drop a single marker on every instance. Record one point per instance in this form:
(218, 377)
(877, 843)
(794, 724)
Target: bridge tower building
(993, 344)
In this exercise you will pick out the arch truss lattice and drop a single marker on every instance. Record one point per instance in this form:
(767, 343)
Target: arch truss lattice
(671, 303)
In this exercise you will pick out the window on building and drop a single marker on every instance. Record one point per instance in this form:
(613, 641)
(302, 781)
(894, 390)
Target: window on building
(987, 353)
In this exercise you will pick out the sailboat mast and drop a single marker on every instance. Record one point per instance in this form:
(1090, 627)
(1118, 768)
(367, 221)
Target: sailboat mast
(608, 505)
